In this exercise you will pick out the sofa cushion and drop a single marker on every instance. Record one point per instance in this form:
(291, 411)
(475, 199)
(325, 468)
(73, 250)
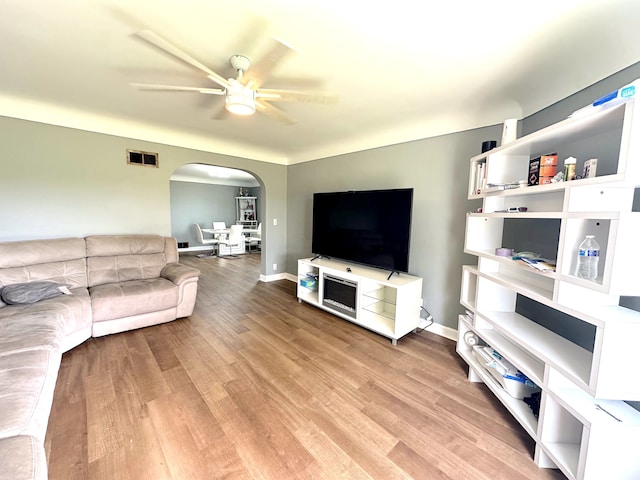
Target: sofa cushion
(103, 270)
(70, 314)
(22, 458)
(61, 260)
(31, 292)
(36, 327)
(126, 299)
(121, 258)
(27, 383)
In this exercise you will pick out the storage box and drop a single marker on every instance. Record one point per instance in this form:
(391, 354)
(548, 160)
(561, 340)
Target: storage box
(309, 282)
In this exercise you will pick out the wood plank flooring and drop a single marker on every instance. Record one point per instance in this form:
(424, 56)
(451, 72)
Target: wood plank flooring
(255, 385)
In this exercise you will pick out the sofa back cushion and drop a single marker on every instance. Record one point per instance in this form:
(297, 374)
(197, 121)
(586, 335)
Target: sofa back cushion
(60, 260)
(120, 258)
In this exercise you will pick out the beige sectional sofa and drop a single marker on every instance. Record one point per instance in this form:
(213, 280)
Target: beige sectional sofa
(114, 283)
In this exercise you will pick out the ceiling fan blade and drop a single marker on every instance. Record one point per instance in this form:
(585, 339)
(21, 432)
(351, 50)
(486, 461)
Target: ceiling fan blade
(177, 88)
(274, 112)
(165, 46)
(276, 95)
(262, 68)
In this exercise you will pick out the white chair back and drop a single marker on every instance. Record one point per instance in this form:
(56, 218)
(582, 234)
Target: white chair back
(235, 234)
(219, 225)
(199, 233)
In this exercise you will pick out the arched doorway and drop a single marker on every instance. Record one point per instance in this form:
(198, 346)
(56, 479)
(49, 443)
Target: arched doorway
(204, 194)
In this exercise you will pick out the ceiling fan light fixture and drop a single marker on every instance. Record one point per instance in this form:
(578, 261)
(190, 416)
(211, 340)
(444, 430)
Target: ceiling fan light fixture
(240, 100)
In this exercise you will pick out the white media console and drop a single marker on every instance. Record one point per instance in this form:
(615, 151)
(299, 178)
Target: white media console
(369, 297)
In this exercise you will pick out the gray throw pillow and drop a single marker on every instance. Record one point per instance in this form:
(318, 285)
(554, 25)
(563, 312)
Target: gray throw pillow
(31, 292)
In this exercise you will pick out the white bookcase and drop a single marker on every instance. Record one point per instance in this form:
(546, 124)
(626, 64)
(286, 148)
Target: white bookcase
(247, 211)
(389, 306)
(579, 344)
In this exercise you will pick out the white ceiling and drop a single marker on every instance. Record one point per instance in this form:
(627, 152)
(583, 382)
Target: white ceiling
(403, 70)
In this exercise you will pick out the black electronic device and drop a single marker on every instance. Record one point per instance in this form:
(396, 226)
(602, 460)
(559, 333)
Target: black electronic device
(370, 227)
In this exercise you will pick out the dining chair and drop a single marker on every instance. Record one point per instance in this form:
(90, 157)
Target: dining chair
(234, 239)
(206, 241)
(255, 240)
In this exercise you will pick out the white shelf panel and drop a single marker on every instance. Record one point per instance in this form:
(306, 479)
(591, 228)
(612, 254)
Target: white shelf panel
(554, 187)
(526, 363)
(603, 119)
(531, 215)
(383, 324)
(519, 285)
(381, 308)
(520, 410)
(572, 360)
(591, 411)
(565, 455)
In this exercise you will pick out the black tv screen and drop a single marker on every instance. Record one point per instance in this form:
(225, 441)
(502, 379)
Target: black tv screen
(371, 227)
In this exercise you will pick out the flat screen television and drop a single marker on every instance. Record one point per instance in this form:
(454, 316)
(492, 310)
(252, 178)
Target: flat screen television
(370, 227)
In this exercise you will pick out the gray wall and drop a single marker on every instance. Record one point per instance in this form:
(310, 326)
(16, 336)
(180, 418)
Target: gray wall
(204, 203)
(61, 182)
(561, 110)
(437, 169)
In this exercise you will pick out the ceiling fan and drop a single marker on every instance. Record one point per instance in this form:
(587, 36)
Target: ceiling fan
(244, 94)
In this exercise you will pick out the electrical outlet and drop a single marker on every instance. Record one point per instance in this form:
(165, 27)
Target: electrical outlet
(275, 221)
(275, 267)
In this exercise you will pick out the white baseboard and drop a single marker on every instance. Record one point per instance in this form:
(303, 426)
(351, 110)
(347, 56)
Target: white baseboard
(443, 331)
(198, 248)
(276, 276)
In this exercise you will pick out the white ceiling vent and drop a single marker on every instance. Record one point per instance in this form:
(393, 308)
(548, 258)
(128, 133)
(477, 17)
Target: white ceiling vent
(146, 159)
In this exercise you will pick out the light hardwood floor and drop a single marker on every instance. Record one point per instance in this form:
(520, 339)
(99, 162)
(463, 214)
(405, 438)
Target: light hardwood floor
(256, 386)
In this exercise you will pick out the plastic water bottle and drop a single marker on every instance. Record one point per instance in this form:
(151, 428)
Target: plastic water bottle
(588, 256)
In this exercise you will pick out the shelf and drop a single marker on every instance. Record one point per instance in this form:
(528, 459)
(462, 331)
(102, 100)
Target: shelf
(572, 360)
(604, 120)
(541, 293)
(551, 187)
(527, 364)
(382, 324)
(565, 456)
(520, 410)
(585, 427)
(381, 308)
(384, 294)
(596, 412)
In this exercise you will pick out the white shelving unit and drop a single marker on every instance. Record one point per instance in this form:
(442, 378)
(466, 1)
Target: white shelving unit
(387, 306)
(247, 211)
(570, 336)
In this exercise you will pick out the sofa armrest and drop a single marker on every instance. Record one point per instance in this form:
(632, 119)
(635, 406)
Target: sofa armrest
(178, 273)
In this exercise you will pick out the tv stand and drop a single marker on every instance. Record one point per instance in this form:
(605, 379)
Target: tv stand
(363, 295)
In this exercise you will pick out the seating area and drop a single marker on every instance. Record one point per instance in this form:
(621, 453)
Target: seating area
(228, 241)
(57, 293)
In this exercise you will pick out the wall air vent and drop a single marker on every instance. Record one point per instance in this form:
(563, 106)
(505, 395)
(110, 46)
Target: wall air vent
(146, 159)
